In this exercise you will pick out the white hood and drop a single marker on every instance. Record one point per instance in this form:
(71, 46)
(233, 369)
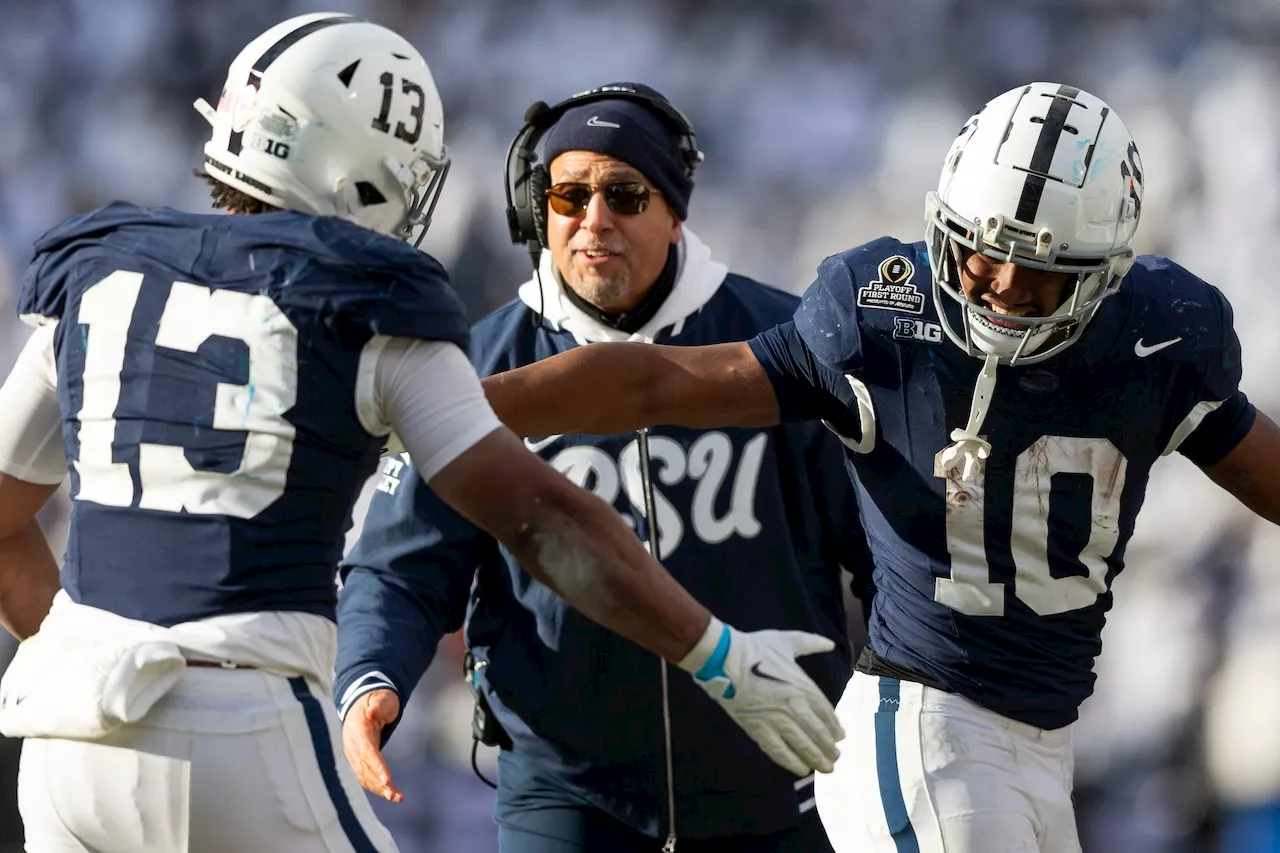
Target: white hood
(697, 280)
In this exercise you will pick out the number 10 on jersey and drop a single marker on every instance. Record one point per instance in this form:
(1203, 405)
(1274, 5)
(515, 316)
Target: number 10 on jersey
(970, 589)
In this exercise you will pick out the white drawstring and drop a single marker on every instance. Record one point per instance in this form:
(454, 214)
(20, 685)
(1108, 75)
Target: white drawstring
(967, 448)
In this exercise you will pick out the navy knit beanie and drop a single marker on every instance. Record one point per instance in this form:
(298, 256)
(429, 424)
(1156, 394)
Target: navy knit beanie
(631, 132)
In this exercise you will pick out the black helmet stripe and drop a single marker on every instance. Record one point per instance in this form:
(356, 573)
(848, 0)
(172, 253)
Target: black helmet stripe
(236, 143)
(1042, 157)
(292, 38)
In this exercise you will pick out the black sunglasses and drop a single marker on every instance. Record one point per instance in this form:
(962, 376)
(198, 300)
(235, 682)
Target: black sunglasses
(629, 198)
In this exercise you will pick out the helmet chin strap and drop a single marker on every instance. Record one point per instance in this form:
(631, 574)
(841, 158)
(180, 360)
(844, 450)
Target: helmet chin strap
(968, 450)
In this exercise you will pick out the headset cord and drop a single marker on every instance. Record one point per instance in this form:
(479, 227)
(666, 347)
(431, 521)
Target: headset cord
(646, 482)
(475, 765)
(535, 255)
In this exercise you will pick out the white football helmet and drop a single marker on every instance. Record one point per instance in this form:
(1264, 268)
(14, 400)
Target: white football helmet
(1045, 176)
(333, 116)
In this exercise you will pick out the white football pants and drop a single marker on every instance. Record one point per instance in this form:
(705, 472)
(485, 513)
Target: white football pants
(926, 771)
(229, 761)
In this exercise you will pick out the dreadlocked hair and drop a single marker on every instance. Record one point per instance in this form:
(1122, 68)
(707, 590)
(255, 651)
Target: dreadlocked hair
(230, 198)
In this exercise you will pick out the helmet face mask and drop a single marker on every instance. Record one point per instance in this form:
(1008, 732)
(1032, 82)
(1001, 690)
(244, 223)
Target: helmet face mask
(1047, 177)
(332, 116)
(423, 196)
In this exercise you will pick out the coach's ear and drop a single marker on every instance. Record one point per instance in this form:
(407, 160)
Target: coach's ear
(362, 741)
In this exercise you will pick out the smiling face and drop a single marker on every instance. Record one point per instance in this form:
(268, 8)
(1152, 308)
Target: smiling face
(608, 258)
(1007, 288)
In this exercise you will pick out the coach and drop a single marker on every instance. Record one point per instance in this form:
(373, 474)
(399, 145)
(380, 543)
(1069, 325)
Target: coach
(598, 744)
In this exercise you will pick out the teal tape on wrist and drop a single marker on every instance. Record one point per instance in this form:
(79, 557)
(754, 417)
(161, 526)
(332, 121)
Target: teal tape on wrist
(714, 666)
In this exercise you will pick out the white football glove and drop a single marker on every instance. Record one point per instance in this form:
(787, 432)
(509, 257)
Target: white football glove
(754, 676)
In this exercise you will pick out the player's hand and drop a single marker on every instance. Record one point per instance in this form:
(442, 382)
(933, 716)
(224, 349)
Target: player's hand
(362, 741)
(754, 676)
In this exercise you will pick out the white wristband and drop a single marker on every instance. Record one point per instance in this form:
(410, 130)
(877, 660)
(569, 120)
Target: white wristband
(704, 648)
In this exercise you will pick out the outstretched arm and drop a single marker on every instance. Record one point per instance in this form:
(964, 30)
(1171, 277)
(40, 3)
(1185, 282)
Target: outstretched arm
(609, 388)
(561, 534)
(577, 545)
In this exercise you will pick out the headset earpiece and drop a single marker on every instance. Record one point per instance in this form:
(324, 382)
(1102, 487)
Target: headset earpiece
(539, 180)
(536, 109)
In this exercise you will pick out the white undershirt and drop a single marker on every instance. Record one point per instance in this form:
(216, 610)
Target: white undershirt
(426, 391)
(30, 423)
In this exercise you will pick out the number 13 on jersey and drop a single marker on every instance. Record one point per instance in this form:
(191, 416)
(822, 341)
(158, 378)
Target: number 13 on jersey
(191, 316)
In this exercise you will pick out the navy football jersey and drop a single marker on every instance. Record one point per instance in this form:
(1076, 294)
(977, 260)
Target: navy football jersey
(998, 586)
(207, 373)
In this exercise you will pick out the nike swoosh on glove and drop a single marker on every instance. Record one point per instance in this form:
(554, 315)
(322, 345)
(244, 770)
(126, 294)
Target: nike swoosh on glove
(754, 676)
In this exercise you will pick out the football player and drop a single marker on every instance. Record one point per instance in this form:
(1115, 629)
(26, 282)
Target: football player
(1003, 389)
(218, 388)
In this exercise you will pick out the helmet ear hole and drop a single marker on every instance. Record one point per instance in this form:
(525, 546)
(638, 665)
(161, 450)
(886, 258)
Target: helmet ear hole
(539, 181)
(369, 194)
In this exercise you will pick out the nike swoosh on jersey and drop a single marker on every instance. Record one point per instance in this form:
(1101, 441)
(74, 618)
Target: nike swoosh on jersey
(535, 446)
(1143, 351)
(756, 670)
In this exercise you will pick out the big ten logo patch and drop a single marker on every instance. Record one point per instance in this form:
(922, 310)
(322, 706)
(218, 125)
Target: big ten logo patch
(906, 328)
(389, 473)
(724, 497)
(270, 146)
(893, 290)
(274, 132)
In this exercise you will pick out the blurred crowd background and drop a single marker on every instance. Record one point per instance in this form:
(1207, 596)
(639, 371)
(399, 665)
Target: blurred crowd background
(824, 122)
